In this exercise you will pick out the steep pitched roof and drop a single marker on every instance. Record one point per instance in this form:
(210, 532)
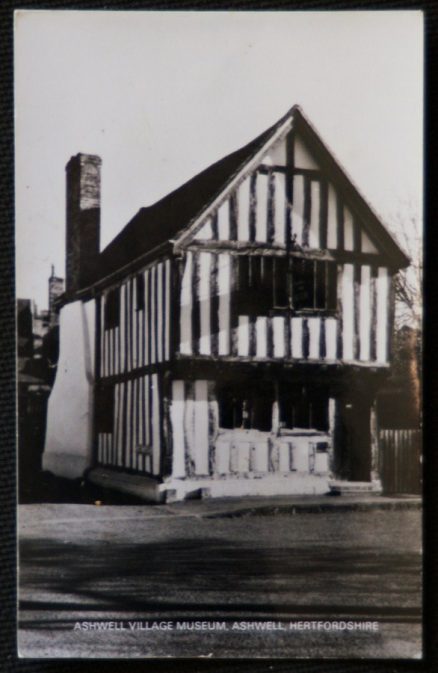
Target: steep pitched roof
(162, 221)
(170, 216)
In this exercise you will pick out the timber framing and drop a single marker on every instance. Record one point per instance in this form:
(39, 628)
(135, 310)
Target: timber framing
(242, 324)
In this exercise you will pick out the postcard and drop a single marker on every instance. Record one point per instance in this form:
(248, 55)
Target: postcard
(219, 297)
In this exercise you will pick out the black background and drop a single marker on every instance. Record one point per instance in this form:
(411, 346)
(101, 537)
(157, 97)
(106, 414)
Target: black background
(8, 658)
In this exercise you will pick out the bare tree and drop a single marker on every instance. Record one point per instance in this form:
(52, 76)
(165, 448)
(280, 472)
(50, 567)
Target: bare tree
(408, 282)
(409, 300)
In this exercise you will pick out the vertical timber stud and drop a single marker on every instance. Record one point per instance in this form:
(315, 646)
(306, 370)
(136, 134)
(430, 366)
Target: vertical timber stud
(307, 211)
(175, 310)
(391, 312)
(332, 411)
(357, 235)
(356, 304)
(306, 339)
(234, 305)
(214, 226)
(214, 305)
(340, 321)
(166, 426)
(373, 299)
(196, 317)
(233, 215)
(271, 207)
(252, 207)
(213, 425)
(323, 209)
(340, 222)
(374, 433)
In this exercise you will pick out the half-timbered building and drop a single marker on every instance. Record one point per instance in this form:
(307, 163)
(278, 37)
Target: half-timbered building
(232, 338)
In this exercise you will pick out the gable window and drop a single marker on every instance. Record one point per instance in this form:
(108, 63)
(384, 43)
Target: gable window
(112, 309)
(271, 283)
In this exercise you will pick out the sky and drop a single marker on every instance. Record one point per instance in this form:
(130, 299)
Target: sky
(159, 96)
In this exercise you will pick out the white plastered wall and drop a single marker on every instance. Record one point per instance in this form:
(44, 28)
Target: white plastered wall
(69, 433)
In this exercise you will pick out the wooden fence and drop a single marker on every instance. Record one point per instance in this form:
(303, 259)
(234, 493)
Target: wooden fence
(400, 460)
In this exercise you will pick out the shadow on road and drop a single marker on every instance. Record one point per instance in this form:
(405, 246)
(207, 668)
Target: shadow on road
(213, 579)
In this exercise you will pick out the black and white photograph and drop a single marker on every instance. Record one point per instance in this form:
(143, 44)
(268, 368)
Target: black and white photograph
(219, 226)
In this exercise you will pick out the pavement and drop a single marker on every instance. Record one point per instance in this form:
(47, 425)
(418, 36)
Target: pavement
(211, 508)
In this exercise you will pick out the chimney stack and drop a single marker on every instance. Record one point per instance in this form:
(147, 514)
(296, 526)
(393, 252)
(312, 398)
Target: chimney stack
(83, 220)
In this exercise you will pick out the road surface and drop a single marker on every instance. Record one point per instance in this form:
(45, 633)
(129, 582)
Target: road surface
(140, 581)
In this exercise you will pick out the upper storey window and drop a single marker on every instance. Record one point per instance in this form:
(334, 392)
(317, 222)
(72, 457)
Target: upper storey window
(268, 284)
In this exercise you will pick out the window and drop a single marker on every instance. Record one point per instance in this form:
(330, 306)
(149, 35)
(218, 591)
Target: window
(303, 408)
(112, 309)
(255, 278)
(246, 407)
(104, 408)
(314, 285)
(269, 283)
(139, 287)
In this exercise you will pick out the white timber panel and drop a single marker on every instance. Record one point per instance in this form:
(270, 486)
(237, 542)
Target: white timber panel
(134, 318)
(147, 331)
(261, 336)
(347, 311)
(243, 336)
(205, 233)
(276, 155)
(314, 214)
(189, 422)
(128, 425)
(177, 421)
(224, 284)
(125, 322)
(222, 455)
(147, 418)
(205, 302)
(186, 307)
(261, 207)
(167, 310)
(330, 338)
(156, 421)
(135, 404)
(297, 337)
(153, 314)
(365, 313)
(382, 283)
(243, 196)
(223, 221)
(366, 244)
(348, 230)
(201, 444)
(314, 332)
(332, 222)
(302, 156)
(298, 208)
(280, 208)
(278, 336)
(118, 421)
(160, 309)
(260, 456)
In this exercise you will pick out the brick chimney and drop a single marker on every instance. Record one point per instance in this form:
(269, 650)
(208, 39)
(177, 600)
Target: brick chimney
(83, 220)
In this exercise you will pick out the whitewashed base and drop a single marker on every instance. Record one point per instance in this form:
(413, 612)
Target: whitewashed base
(231, 486)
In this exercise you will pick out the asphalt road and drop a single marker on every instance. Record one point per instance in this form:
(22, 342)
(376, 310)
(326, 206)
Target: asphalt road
(82, 565)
